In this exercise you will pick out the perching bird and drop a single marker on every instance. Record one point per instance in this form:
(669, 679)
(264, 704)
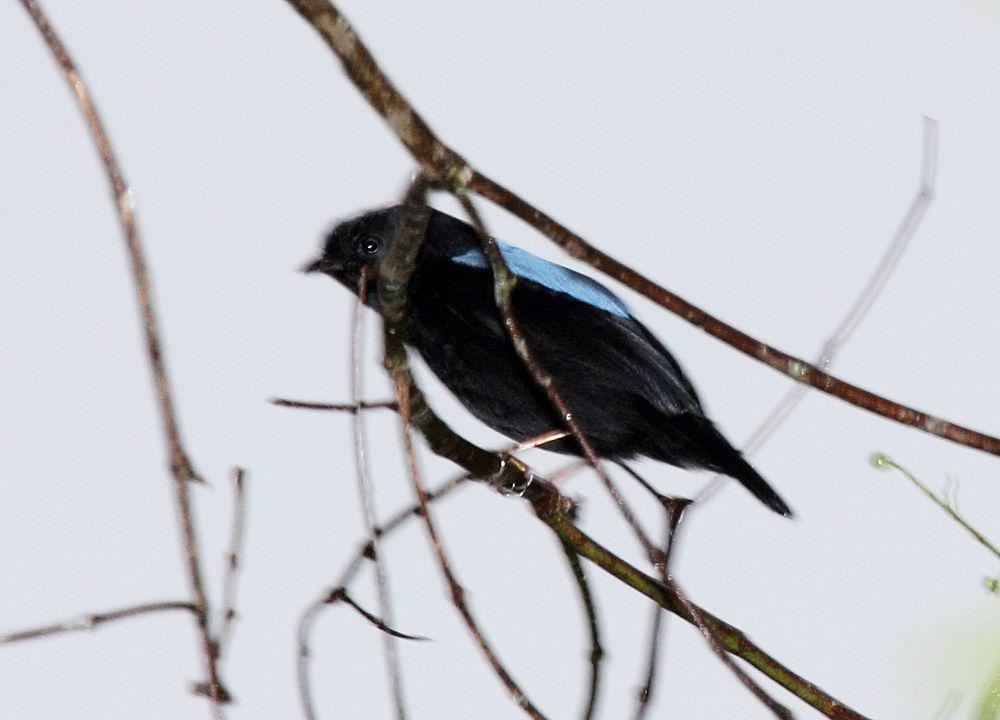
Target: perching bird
(628, 394)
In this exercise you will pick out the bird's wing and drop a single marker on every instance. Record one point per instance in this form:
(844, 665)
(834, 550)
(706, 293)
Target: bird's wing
(549, 275)
(581, 330)
(614, 349)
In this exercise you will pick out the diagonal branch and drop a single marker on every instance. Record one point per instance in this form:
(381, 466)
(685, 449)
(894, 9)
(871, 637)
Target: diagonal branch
(394, 275)
(445, 166)
(89, 622)
(504, 282)
(862, 304)
(342, 596)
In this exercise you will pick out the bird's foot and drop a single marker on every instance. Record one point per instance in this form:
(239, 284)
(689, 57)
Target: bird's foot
(513, 477)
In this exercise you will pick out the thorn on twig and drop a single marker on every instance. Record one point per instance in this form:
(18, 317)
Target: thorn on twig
(182, 469)
(217, 693)
(340, 595)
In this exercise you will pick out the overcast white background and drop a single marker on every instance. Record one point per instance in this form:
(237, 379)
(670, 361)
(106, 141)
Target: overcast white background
(754, 158)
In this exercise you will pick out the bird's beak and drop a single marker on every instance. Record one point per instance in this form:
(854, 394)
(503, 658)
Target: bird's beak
(318, 265)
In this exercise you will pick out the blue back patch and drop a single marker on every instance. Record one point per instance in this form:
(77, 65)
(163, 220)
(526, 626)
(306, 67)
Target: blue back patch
(554, 277)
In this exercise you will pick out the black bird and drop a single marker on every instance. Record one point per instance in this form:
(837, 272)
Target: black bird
(628, 393)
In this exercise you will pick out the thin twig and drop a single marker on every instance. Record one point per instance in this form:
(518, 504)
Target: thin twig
(365, 552)
(367, 496)
(394, 273)
(730, 638)
(596, 655)
(645, 694)
(303, 632)
(552, 508)
(673, 512)
(698, 616)
(445, 166)
(864, 302)
(457, 591)
(352, 408)
(180, 465)
(503, 286)
(234, 561)
(90, 622)
(882, 461)
(341, 596)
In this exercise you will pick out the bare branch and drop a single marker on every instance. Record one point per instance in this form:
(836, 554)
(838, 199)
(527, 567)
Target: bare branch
(352, 408)
(590, 610)
(673, 511)
(729, 637)
(90, 622)
(180, 465)
(864, 302)
(302, 634)
(447, 167)
(367, 497)
(341, 596)
(698, 617)
(234, 559)
(366, 551)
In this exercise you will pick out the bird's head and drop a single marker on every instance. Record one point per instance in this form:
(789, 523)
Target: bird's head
(354, 246)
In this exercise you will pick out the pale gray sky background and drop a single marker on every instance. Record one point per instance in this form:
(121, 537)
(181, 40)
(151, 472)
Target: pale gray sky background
(754, 158)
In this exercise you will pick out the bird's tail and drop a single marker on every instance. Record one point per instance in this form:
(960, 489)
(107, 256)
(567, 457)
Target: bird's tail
(739, 469)
(706, 448)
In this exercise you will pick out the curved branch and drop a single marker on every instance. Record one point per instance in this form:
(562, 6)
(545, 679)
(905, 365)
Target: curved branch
(593, 626)
(180, 465)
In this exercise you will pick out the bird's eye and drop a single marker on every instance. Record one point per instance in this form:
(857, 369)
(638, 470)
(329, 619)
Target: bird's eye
(370, 246)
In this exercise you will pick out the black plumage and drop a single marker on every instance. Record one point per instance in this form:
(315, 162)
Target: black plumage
(627, 392)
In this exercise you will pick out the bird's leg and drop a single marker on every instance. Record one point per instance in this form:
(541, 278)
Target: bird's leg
(508, 457)
(673, 510)
(515, 489)
(541, 440)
